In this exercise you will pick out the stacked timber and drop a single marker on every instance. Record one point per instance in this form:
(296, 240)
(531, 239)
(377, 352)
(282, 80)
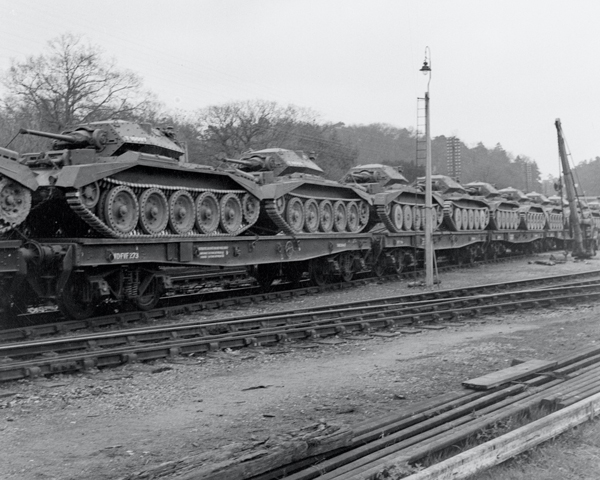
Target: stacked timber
(548, 397)
(392, 447)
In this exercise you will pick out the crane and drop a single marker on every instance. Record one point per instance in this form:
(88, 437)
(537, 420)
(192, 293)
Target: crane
(583, 229)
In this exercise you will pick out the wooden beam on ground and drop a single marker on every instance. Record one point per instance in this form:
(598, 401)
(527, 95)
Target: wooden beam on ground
(507, 446)
(510, 374)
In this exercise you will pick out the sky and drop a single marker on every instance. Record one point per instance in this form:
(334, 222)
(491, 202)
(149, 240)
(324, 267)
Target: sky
(502, 71)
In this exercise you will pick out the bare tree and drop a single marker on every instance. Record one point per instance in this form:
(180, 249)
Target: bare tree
(73, 83)
(236, 127)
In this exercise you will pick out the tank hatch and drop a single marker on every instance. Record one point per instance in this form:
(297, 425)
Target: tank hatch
(384, 175)
(513, 194)
(279, 161)
(484, 189)
(442, 184)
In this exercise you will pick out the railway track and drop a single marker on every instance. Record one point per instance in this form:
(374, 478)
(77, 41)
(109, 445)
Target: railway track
(46, 322)
(404, 314)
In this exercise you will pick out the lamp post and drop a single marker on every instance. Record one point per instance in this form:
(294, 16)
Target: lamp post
(426, 69)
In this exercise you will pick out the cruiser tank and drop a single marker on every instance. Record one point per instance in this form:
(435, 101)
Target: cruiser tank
(462, 211)
(396, 204)
(119, 179)
(504, 214)
(297, 200)
(531, 215)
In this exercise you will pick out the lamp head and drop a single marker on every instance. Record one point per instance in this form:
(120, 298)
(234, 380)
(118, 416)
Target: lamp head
(426, 69)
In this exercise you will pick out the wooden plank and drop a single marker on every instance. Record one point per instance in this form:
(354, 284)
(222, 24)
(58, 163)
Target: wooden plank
(512, 444)
(238, 461)
(509, 374)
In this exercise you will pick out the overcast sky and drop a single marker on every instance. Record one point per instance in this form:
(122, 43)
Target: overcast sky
(502, 71)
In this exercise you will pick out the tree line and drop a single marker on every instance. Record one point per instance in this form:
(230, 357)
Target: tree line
(73, 82)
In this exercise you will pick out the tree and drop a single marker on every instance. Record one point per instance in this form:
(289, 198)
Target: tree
(72, 83)
(236, 127)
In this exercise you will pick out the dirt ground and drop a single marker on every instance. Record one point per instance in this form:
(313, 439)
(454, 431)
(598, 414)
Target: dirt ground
(111, 423)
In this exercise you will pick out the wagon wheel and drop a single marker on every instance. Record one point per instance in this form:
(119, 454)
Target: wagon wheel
(154, 211)
(76, 298)
(294, 214)
(90, 195)
(346, 266)
(325, 216)
(380, 266)
(353, 216)
(293, 271)
(408, 217)
(231, 213)
(477, 220)
(397, 217)
(363, 212)
(207, 213)
(465, 256)
(15, 202)
(265, 274)
(182, 213)
(311, 215)
(471, 219)
(397, 265)
(151, 290)
(491, 253)
(121, 209)
(250, 207)
(340, 219)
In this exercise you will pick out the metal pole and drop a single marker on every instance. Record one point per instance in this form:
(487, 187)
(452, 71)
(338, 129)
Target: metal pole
(428, 202)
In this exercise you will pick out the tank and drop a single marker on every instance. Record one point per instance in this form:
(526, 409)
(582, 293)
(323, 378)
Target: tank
(396, 204)
(462, 211)
(504, 213)
(532, 215)
(552, 212)
(296, 199)
(17, 185)
(119, 179)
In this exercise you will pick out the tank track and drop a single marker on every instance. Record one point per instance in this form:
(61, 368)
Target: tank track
(15, 204)
(92, 219)
(507, 219)
(534, 220)
(397, 223)
(471, 219)
(555, 221)
(277, 213)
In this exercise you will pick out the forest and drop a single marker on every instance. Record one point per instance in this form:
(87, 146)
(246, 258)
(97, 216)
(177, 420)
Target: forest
(72, 82)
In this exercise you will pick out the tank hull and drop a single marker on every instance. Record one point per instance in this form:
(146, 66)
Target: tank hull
(306, 204)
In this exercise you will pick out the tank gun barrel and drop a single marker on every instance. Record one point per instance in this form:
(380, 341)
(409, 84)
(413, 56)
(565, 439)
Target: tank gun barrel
(252, 162)
(363, 177)
(56, 136)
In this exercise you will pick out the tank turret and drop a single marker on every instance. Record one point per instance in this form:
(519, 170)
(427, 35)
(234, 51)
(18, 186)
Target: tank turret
(279, 161)
(373, 175)
(110, 139)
